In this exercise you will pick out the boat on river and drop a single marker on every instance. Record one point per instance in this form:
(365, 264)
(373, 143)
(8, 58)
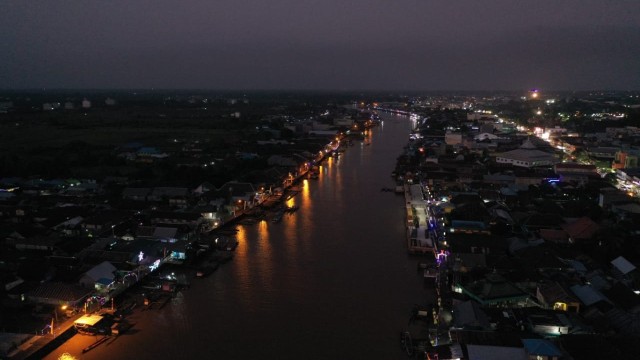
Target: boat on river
(277, 217)
(248, 221)
(226, 243)
(207, 269)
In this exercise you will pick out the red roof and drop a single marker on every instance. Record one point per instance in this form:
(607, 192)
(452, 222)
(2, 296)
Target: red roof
(581, 229)
(553, 235)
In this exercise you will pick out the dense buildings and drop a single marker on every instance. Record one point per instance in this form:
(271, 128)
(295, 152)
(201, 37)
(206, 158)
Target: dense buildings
(528, 226)
(532, 241)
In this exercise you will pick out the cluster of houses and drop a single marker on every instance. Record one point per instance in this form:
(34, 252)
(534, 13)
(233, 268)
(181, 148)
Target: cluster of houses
(53, 237)
(77, 243)
(538, 257)
(72, 243)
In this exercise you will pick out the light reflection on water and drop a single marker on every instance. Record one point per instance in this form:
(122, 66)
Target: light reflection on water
(291, 231)
(330, 281)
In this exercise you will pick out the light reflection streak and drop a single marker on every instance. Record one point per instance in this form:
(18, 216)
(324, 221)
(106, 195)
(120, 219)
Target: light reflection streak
(252, 269)
(241, 262)
(305, 215)
(291, 231)
(264, 264)
(329, 165)
(338, 188)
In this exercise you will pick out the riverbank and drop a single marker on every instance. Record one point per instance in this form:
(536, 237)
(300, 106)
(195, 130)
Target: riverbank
(333, 275)
(290, 191)
(335, 147)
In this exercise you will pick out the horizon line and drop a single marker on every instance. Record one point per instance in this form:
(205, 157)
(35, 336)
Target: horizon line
(44, 89)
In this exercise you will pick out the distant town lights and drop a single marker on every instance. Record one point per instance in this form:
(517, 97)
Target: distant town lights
(534, 93)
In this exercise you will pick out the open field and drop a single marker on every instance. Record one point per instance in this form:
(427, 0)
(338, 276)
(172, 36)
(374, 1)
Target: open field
(26, 131)
(28, 137)
(70, 143)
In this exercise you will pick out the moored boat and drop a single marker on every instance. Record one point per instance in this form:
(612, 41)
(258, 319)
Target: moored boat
(277, 217)
(207, 270)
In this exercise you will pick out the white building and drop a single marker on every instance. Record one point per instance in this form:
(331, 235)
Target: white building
(343, 121)
(482, 117)
(485, 136)
(527, 156)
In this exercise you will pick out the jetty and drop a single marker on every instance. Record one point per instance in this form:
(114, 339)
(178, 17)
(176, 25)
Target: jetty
(419, 239)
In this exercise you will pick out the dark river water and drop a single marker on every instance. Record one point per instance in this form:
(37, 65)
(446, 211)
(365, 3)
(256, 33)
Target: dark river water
(331, 281)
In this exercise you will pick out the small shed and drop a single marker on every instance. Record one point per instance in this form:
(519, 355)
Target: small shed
(622, 266)
(101, 275)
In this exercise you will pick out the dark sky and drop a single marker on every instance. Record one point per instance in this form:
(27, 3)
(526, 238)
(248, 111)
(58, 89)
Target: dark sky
(321, 44)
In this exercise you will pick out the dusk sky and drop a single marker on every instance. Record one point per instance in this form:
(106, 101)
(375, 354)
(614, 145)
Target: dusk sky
(321, 44)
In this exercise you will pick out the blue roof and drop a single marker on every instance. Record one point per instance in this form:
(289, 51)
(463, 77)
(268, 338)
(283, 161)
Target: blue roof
(587, 294)
(133, 145)
(104, 281)
(148, 150)
(578, 266)
(540, 347)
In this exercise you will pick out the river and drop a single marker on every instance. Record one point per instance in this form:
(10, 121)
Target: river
(331, 281)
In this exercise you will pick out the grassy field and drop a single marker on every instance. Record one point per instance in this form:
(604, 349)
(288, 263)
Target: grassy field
(26, 131)
(63, 144)
(26, 137)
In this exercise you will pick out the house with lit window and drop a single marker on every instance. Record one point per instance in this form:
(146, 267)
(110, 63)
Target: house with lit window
(552, 295)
